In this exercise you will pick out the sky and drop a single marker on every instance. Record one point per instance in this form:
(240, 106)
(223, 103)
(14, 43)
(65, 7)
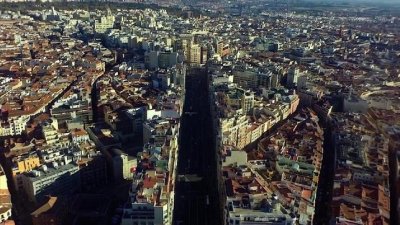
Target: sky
(374, 1)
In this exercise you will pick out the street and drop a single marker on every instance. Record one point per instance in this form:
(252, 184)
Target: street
(197, 198)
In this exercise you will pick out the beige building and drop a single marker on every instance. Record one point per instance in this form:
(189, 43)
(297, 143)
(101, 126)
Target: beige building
(222, 49)
(24, 164)
(184, 44)
(5, 198)
(105, 23)
(247, 101)
(50, 134)
(195, 54)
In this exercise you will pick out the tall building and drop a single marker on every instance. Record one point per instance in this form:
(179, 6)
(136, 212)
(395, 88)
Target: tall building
(93, 173)
(195, 54)
(302, 82)
(167, 59)
(264, 79)
(204, 54)
(247, 101)
(164, 59)
(123, 165)
(275, 79)
(183, 44)
(292, 76)
(105, 23)
(151, 59)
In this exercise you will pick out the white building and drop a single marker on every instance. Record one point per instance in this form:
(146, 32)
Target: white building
(260, 218)
(240, 214)
(234, 157)
(54, 180)
(79, 136)
(148, 203)
(14, 125)
(5, 198)
(123, 165)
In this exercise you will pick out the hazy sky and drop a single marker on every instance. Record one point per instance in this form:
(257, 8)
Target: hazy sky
(374, 1)
(394, 1)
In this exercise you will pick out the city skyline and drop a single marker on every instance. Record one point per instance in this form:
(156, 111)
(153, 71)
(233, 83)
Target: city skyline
(200, 112)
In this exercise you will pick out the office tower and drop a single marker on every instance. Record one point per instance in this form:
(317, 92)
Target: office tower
(204, 54)
(264, 79)
(184, 45)
(292, 77)
(247, 102)
(195, 54)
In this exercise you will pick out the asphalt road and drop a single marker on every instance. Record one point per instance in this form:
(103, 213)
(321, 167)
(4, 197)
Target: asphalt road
(197, 201)
(323, 210)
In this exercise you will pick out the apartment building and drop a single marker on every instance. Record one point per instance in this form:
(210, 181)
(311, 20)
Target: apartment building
(13, 125)
(53, 179)
(106, 22)
(148, 203)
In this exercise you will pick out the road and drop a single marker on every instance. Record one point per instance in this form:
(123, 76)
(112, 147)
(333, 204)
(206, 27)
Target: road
(197, 200)
(323, 201)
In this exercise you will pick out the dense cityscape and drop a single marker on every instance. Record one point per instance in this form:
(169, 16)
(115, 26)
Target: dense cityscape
(184, 112)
